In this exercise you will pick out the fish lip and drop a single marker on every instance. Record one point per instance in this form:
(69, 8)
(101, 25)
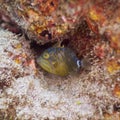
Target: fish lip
(43, 63)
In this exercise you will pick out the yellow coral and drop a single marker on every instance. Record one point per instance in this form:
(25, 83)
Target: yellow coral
(18, 46)
(93, 15)
(96, 14)
(113, 66)
(62, 28)
(17, 60)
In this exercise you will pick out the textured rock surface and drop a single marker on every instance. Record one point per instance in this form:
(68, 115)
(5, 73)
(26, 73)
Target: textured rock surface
(91, 29)
(33, 95)
(14, 57)
(82, 24)
(44, 21)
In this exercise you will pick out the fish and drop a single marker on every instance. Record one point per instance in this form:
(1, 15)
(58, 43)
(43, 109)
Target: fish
(60, 61)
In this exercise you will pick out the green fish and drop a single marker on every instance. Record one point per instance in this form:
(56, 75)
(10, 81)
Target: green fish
(60, 61)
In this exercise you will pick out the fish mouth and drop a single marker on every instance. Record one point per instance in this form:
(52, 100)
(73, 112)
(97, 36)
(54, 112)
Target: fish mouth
(44, 64)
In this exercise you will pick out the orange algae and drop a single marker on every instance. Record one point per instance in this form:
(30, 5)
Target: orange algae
(96, 14)
(17, 60)
(113, 116)
(113, 66)
(48, 6)
(116, 90)
(115, 41)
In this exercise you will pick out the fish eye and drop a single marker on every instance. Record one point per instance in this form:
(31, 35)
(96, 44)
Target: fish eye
(46, 55)
(78, 63)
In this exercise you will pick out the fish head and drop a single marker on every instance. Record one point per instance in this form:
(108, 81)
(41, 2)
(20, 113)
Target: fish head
(52, 61)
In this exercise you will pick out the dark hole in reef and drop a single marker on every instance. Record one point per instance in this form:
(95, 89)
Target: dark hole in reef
(39, 48)
(46, 33)
(116, 107)
(65, 42)
(52, 3)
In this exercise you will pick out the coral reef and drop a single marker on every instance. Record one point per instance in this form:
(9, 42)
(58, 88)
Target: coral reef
(83, 24)
(90, 28)
(44, 21)
(30, 94)
(15, 57)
